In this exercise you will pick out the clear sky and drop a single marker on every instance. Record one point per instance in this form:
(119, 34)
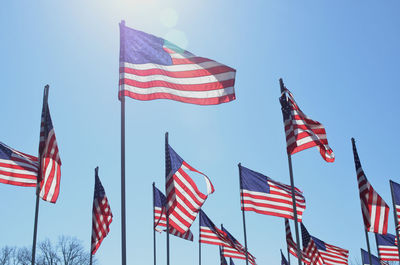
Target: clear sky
(339, 58)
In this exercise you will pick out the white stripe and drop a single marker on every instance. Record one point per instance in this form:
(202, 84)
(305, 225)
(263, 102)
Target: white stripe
(172, 68)
(188, 186)
(16, 179)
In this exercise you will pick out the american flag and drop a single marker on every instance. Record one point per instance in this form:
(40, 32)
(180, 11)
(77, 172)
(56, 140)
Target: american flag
(209, 232)
(263, 195)
(375, 259)
(387, 247)
(49, 158)
(396, 199)
(318, 251)
(292, 246)
(301, 131)
(236, 250)
(374, 209)
(160, 219)
(283, 259)
(102, 215)
(154, 68)
(184, 199)
(17, 168)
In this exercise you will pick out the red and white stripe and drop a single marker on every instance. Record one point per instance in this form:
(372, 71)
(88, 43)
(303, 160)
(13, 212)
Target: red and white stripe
(311, 251)
(278, 202)
(237, 252)
(208, 236)
(303, 133)
(292, 246)
(374, 209)
(388, 253)
(50, 168)
(160, 221)
(334, 255)
(189, 79)
(184, 199)
(102, 218)
(21, 169)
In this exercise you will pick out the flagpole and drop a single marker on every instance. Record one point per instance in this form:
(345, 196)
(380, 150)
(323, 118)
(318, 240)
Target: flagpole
(396, 221)
(243, 215)
(123, 212)
(96, 173)
(166, 194)
(44, 109)
(282, 86)
(199, 244)
(287, 246)
(154, 230)
(369, 249)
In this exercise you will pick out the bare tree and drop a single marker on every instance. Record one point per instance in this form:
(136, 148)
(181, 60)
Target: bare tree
(48, 254)
(67, 251)
(72, 252)
(24, 256)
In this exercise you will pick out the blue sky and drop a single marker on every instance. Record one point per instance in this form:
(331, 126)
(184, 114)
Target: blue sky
(339, 59)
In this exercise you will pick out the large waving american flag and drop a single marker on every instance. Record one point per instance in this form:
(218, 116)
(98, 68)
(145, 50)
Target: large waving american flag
(17, 168)
(184, 199)
(160, 218)
(153, 68)
(102, 215)
(387, 247)
(301, 131)
(263, 195)
(396, 201)
(374, 209)
(50, 162)
(318, 251)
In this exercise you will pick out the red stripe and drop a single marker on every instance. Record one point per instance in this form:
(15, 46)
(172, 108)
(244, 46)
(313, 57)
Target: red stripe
(198, 101)
(214, 85)
(17, 183)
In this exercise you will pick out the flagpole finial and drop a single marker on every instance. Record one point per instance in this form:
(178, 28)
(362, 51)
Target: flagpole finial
(96, 170)
(123, 22)
(353, 141)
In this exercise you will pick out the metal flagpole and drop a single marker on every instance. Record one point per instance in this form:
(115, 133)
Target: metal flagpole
(154, 230)
(369, 249)
(166, 194)
(287, 246)
(396, 221)
(244, 219)
(123, 212)
(39, 176)
(96, 173)
(199, 244)
(293, 194)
